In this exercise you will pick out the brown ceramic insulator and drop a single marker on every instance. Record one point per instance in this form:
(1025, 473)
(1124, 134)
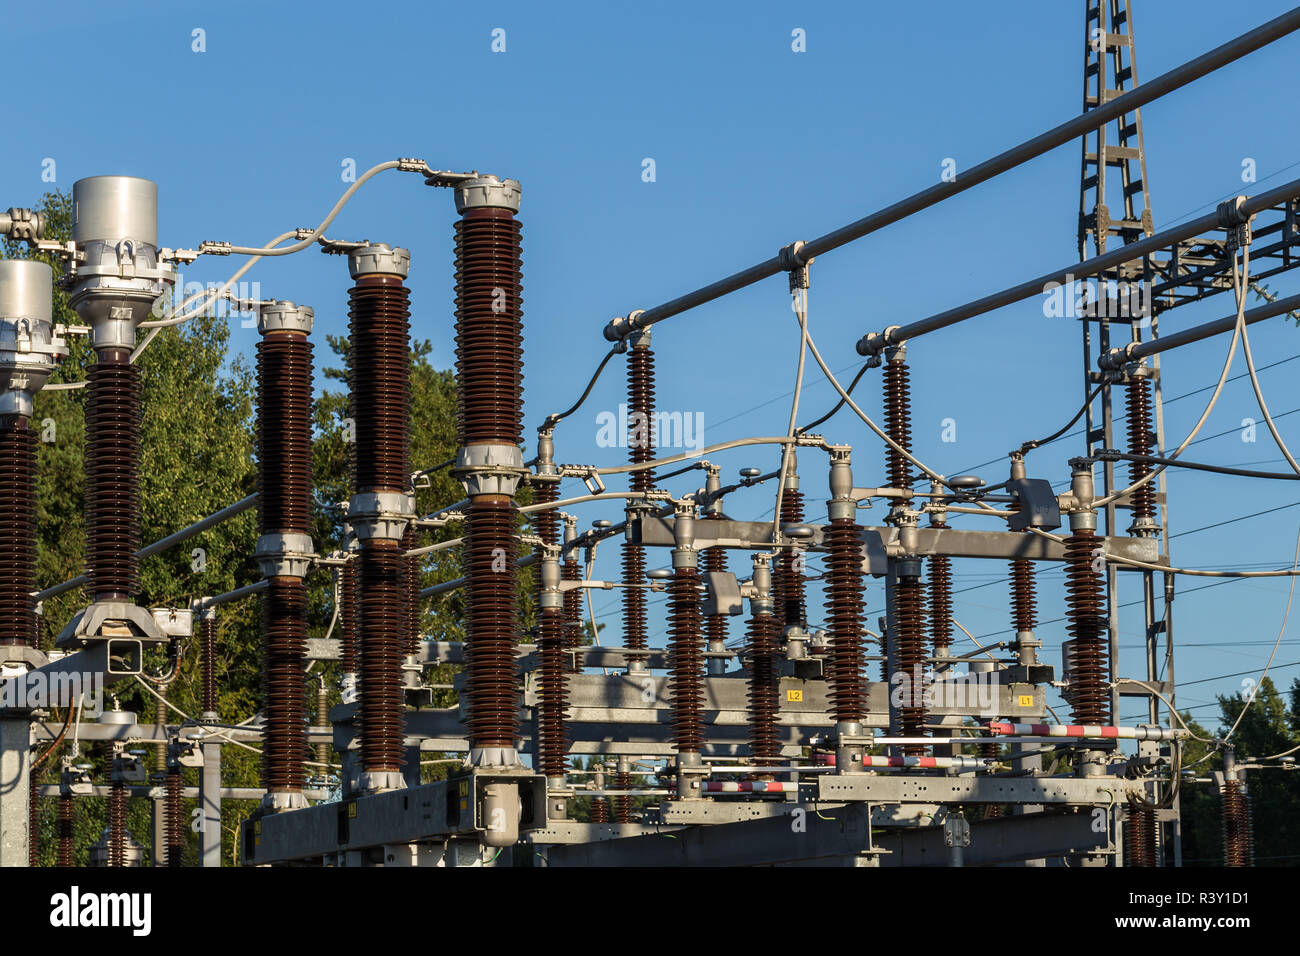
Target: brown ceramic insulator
(1089, 692)
(551, 738)
(940, 601)
(910, 645)
(898, 423)
(382, 650)
(546, 524)
(789, 596)
(173, 817)
(351, 614)
(687, 659)
(1024, 606)
(572, 613)
(411, 591)
(715, 625)
(489, 328)
(1238, 833)
(117, 835)
(284, 384)
(763, 687)
(208, 661)
(641, 448)
(599, 810)
(284, 655)
(112, 488)
(379, 316)
(322, 720)
(634, 616)
(34, 818)
(993, 810)
(65, 829)
(1137, 399)
(491, 612)
(622, 806)
(17, 531)
(842, 539)
(640, 414)
(1140, 835)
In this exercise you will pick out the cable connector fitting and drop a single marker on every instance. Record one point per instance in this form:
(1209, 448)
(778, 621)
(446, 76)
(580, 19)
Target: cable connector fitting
(796, 264)
(1234, 222)
(22, 225)
(208, 248)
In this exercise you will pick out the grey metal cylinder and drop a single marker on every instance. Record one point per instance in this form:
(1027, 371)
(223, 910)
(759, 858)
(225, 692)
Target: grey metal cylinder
(113, 208)
(26, 286)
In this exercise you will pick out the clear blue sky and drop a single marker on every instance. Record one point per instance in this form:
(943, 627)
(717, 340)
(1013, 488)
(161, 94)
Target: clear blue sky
(754, 146)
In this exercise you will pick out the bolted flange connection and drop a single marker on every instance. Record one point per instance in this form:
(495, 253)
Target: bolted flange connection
(487, 192)
(380, 515)
(379, 259)
(29, 349)
(280, 555)
(489, 469)
(284, 316)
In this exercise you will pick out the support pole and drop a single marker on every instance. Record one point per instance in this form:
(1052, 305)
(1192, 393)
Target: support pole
(15, 788)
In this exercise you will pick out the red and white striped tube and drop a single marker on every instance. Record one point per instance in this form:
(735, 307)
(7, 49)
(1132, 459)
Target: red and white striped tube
(971, 763)
(1086, 731)
(749, 786)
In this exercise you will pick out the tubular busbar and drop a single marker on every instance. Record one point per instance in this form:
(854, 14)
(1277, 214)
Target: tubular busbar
(1145, 93)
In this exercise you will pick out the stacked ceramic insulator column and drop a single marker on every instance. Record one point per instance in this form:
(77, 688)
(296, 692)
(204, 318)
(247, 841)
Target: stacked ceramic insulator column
(489, 464)
(1141, 439)
(641, 448)
(117, 282)
(1140, 834)
(788, 589)
(284, 550)
(208, 661)
(28, 353)
(843, 540)
(761, 651)
(174, 820)
(551, 740)
(1238, 831)
(382, 506)
(570, 572)
(1089, 686)
(714, 561)
(685, 651)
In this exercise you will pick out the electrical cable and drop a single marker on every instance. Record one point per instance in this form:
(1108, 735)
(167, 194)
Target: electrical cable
(1199, 466)
(555, 418)
(1031, 445)
(838, 405)
(800, 303)
(1237, 333)
(1239, 278)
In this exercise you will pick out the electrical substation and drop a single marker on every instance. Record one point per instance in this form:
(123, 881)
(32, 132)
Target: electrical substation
(750, 725)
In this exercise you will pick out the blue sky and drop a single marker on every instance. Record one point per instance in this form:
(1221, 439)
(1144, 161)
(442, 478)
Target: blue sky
(754, 146)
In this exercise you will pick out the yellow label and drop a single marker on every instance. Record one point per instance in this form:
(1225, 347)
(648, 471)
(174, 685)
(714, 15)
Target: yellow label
(794, 695)
(352, 811)
(464, 788)
(257, 827)
(1026, 700)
